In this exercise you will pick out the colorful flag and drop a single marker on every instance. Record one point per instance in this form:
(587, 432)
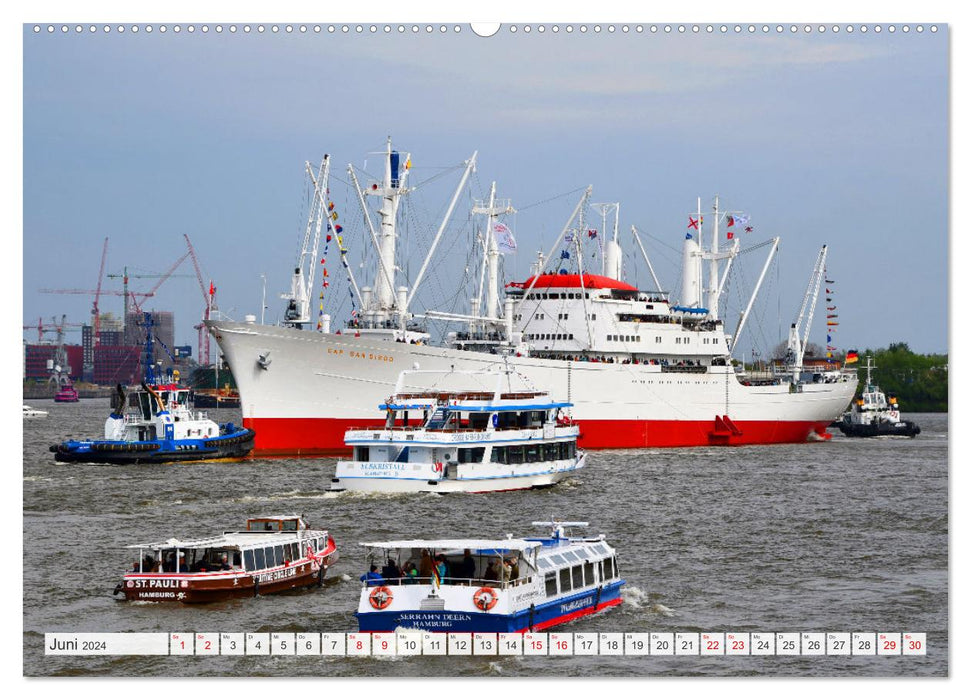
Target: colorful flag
(338, 228)
(748, 229)
(740, 219)
(564, 255)
(692, 223)
(731, 235)
(333, 215)
(851, 357)
(687, 235)
(592, 233)
(330, 206)
(504, 238)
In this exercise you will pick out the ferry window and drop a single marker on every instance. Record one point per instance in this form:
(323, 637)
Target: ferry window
(571, 556)
(608, 569)
(248, 558)
(577, 576)
(551, 584)
(588, 572)
(269, 556)
(515, 454)
(616, 572)
(279, 555)
(564, 450)
(544, 563)
(565, 581)
(558, 559)
(550, 452)
(657, 339)
(260, 558)
(321, 545)
(499, 455)
(532, 453)
(362, 454)
(289, 524)
(473, 454)
(599, 549)
(288, 552)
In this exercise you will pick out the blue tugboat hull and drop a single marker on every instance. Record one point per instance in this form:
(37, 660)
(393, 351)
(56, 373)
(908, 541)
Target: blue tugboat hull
(231, 445)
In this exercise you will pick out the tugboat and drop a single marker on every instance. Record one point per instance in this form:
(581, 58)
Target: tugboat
(463, 441)
(274, 554)
(66, 393)
(155, 424)
(875, 414)
(480, 585)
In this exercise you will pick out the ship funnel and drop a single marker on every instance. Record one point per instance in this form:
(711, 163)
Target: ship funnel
(612, 260)
(691, 273)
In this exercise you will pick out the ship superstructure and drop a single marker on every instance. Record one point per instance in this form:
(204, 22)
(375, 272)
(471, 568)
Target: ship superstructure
(640, 369)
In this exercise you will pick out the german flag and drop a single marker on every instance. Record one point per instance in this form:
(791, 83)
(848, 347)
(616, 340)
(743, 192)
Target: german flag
(851, 357)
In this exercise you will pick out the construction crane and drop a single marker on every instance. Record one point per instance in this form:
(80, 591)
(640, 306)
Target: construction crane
(134, 296)
(95, 313)
(53, 327)
(207, 298)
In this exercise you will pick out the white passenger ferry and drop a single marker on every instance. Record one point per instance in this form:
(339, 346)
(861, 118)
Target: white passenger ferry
(472, 441)
(502, 585)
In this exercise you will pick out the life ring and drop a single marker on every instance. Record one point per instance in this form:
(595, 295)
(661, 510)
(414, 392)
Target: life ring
(380, 597)
(485, 598)
(437, 467)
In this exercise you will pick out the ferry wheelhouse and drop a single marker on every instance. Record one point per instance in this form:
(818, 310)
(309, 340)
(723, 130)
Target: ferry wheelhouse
(502, 585)
(471, 441)
(274, 554)
(157, 424)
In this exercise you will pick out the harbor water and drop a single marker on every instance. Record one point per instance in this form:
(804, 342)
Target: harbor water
(849, 535)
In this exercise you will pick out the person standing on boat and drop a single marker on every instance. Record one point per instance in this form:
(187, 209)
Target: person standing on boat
(491, 573)
(467, 570)
(506, 571)
(372, 577)
(513, 568)
(441, 568)
(391, 571)
(410, 573)
(425, 565)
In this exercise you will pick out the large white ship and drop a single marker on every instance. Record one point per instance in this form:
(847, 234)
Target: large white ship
(640, 370)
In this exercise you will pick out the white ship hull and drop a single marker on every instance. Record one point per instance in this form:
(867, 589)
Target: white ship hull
(301, 390)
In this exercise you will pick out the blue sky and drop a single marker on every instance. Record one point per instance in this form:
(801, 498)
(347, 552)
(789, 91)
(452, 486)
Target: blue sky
(822, 138)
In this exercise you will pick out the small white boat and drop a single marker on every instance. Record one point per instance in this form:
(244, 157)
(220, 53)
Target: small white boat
(475, 585)
(463, 441)
(33, 412)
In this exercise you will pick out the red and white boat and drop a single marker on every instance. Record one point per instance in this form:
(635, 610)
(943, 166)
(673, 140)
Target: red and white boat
(274, 554)
(639, 369)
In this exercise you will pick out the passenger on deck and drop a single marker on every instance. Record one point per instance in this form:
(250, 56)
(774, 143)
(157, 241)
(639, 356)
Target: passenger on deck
(409, 573)
(425, 565)
(514, 567)
(506, 570)
(441, 568)
(224, 563)
(467, 568)
(491, 573)
(372, 577)
(391, 571)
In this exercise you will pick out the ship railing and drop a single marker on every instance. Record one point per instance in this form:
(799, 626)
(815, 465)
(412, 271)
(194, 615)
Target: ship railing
(695, 369)
(449, 581)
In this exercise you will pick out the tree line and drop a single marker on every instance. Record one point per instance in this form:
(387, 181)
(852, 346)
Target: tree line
(918, 381)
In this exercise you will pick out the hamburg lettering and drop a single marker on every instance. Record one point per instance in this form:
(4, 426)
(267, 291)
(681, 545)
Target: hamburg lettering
(576, 604)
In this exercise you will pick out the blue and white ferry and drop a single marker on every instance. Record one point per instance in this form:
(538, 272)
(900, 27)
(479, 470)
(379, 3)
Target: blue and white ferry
(502, 585)
(469, 440)
(156, 424)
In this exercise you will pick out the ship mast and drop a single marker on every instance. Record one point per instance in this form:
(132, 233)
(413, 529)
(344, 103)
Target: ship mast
(390, 192)
(297, 312)
(492, 211)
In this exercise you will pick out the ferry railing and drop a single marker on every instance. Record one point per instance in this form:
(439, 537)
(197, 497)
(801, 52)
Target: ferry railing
(448, 581)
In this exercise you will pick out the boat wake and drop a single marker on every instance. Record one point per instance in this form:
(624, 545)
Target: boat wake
(636, 599)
